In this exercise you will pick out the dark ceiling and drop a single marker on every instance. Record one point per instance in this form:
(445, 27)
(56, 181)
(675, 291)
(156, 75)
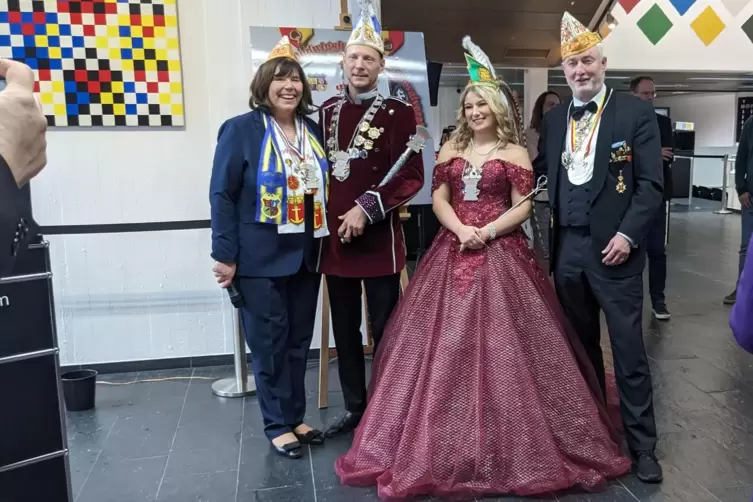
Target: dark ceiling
(512, 32)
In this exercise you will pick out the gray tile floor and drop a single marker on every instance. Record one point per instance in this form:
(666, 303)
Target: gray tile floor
(174, 441)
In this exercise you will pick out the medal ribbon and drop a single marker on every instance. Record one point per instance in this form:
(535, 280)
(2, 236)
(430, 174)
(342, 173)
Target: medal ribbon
(592, 128)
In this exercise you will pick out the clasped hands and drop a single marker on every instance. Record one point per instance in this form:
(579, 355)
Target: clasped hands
(472, 237)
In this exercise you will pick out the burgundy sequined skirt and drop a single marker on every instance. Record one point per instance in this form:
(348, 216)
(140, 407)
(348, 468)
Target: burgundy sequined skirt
(478, 387)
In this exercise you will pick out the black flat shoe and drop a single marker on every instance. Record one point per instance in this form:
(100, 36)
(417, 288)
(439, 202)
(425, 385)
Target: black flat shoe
(313, 437)
(647, 468)
(348, 423)
(290, 450)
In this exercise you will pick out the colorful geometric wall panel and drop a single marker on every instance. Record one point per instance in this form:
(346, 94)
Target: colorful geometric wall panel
(628, 5)
(708, 25)
(748, 28)
(682, 6)
(734, 7)
(654, 24)
(99, 62)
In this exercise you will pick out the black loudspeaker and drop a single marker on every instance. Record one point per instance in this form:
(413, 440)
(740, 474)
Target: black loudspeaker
(420, 230)
(433, 72)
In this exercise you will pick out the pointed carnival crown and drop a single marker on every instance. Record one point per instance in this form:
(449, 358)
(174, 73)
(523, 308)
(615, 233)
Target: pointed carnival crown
(283, 49)
(482, 72)
(574, 37)
(368, 30)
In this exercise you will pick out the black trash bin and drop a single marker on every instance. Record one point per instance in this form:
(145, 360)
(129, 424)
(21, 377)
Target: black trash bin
(79, 389)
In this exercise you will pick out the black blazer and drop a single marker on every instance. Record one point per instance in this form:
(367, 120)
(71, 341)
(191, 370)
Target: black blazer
(626, 120)
(667, 140)
(16, 225)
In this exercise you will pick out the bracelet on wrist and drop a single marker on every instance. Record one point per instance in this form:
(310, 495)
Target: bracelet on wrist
(492, 231)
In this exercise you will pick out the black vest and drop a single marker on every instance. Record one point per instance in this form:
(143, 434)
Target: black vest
(573, 202)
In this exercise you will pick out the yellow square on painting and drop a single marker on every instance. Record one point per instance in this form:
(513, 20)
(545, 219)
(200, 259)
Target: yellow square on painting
(137, 31)
(147, 20)
(165, 98)
(149, 43)
(113, 31)
(150, 65)
(106, 98)
(160, 32)
(708, 26)
(126, 42)
(103, 43)
(172, 43)
(119, 109)
(115, 54)
(176, 87)
(53, 29)
(173, 65)
(177, 109)
(58, 86)
(124, 20)
(118, 87)
(46, 98)
(41, 40)
(128, 65)
(161, 54)
(55, 53)
(171, 21)
(60, 110)
(138, 54)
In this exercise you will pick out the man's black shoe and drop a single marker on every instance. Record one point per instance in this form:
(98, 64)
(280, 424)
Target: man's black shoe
(647, 468)
(346, 424)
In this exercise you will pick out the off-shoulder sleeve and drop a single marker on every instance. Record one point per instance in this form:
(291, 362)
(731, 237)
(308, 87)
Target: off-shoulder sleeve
(521, 179)
(441, 174)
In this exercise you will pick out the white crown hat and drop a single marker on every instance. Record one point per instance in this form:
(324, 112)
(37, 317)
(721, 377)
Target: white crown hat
(368, 30)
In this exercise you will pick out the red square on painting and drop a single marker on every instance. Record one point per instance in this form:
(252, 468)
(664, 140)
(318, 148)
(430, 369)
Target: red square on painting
(36, 86)
(89, 30)
(629, 5)
(105, 76)
(39, 18)
(87, 7)
(111, 8)
(76, 18)
(81, 75)
(152, 87)
(163, 76)
(135, 20)
(14, 17)
(63, 7)
(100, 19)
(27, 29)
(94, 87)
(159, 20)
(44, 75)
(148, 32)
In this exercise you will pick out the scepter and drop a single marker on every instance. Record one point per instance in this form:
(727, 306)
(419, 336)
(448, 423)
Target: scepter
(414, 145)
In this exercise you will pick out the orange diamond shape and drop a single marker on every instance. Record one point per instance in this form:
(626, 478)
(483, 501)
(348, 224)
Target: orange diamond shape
(708, 25)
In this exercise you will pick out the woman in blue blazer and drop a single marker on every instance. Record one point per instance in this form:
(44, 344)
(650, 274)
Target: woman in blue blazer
(268, 199)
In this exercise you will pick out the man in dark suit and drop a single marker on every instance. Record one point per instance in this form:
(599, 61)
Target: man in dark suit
(644, 88)
(22, 155)
(602, 156)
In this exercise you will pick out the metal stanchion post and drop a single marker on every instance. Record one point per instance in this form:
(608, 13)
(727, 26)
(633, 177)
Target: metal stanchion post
(241, 385)
(724, 209)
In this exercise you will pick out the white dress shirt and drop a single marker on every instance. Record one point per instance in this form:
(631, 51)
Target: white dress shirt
(581, 173)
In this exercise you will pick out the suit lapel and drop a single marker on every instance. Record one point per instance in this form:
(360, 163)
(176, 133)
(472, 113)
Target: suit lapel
(556, 139)
(604, 142)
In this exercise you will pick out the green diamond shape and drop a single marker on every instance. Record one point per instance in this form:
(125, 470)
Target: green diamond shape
(748, 28)
(654, 24)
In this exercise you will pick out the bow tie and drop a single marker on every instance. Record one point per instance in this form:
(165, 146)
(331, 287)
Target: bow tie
(577, 112)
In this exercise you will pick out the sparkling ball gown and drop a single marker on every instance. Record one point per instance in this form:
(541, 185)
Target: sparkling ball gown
(479, 386)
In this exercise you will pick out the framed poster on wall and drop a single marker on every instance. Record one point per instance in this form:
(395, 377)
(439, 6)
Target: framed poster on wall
(744, 112)
(320, 54)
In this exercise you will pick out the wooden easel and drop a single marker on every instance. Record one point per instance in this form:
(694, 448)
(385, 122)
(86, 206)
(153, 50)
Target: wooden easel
(325, 353)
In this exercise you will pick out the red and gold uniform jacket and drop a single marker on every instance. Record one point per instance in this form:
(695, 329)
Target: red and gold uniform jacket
(381, 249)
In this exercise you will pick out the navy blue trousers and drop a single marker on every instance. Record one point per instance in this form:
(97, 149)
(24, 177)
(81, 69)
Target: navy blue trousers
(278, 320)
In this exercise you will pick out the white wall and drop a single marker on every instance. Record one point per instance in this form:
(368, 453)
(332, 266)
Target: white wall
(147, 296)
(714, 116)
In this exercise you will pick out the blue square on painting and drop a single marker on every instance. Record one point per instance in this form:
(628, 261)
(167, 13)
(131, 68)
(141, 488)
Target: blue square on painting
(19, 53)
(138, 43)
(69, 85)
(83, 98)
(4, 40)
(16, 29)
(71, 109)
(126, 54)
(53, 41)
(51, 18)
(33, 63)
(78, 41)
(65, 29)
(43, 53)
(67, 52)
(56, 64)
(142, 98)
(125, 31)
(4, 17)
(27, 17)
(40, 29)
(29, 41)
(129, 86)
(131, 110)
(682, 6)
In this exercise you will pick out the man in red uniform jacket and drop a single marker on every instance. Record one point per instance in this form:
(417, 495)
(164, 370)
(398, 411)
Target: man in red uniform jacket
(365, 134)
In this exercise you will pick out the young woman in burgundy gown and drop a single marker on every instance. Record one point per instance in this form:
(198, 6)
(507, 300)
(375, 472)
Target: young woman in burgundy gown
(479, 387)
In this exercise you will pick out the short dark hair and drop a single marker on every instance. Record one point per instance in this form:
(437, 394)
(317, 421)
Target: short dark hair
(537, 117)
(281, 67)
(637, 81)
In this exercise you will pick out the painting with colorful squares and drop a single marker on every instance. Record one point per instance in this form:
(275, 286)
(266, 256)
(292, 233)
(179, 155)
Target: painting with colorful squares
(99, 62)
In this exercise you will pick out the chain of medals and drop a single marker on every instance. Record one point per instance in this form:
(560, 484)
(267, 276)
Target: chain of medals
(472, 174)
(361, 142)
(302, 170)
(581, 131)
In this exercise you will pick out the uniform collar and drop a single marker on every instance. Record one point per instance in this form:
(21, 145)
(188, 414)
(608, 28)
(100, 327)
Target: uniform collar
(363, 97)
(596, 99)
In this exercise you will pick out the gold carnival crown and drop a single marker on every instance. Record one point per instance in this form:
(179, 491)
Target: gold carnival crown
(574, 37)
(368, 30)
(283, 49)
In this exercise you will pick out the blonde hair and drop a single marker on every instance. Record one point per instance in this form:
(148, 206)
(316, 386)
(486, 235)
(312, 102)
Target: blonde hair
(462, 136)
